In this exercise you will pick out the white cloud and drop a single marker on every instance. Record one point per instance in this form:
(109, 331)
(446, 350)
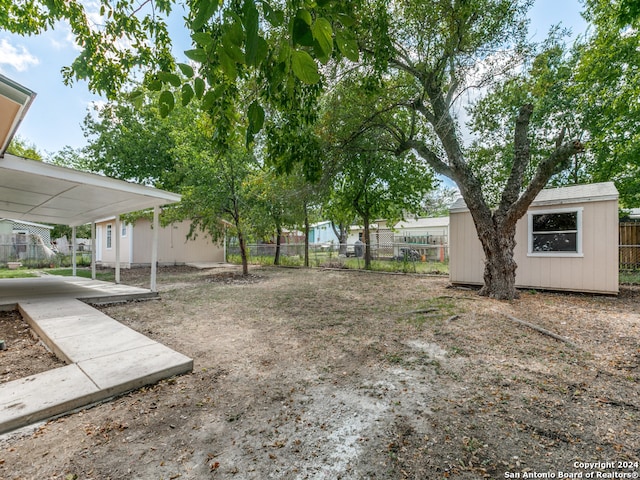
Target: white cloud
(17, 57)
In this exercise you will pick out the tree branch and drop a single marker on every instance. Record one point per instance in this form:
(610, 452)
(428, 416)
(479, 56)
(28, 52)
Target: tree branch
(521, 159)
(429, 155)
(546, 169)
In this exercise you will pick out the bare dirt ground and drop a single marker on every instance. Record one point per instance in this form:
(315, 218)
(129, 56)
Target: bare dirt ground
(347, 375)
(24, 355)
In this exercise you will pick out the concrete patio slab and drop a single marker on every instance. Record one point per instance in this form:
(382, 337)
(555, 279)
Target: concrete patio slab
(106, 358)
(31, 399)
(124, 371)
(13, 290)
(41, 309)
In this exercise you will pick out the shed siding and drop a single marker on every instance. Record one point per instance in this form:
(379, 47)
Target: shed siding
(466, 261)
(595, 271)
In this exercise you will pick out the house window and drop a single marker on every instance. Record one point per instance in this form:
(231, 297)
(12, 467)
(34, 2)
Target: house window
(123, 229)
(109, 228)
(555, 233)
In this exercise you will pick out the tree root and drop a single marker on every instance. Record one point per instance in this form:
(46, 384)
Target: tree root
(421, 310)
(542, 330)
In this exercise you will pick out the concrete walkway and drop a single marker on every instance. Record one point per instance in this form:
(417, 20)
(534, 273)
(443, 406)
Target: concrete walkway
(14, 290)
(105, 359)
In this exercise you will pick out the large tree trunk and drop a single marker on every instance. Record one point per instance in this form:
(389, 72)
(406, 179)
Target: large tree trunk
(500, 267)
(496, 229)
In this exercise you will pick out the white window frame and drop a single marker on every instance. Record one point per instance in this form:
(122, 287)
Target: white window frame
(109, 236)
(577, 253)
(123, 230)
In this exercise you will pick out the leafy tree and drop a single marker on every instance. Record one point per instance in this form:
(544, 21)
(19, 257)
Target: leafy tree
(59, 231)
(21, 147)
(628, 13)
(437, 49)
(71, 158)
(134, 143)
(548, 85)
(437, 202)
(607, 92)
(215, 184)
(272, 197)
(269, 50)
(370, 180)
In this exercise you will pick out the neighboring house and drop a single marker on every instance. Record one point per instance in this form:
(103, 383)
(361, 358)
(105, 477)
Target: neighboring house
(20, 227)
(428, 238)
(21, 240)
(568, 240)
(322, 233)
(136, 241)
(432, 231)
(63, 245)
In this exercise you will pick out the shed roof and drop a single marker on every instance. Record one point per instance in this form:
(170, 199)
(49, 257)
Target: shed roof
(592, 192)
(24, 222)
(41, 192)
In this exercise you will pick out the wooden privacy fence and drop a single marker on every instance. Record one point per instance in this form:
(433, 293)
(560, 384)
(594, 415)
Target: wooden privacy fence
(629, 246)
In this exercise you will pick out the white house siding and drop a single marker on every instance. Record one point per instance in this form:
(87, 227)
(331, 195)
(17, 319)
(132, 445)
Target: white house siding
(173, 246)
(107, 254)
(596, 270)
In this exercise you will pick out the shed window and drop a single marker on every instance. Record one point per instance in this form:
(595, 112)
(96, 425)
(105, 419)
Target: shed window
(109, 228)
(555, 232)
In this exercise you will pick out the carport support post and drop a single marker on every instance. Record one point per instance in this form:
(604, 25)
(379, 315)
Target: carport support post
(73, 252)
(154, 248)
(117, 249)
(93, 250)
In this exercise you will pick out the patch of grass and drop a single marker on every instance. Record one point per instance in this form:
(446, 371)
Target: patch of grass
(630, 277)
(394, 266)
(68, 272)
(434, 310)
(19, 273)
(325, 259)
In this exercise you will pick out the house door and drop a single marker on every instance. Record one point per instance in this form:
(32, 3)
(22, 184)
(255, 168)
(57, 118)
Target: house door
(98, 243)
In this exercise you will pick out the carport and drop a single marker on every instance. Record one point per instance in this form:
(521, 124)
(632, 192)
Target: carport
(39, 192)
(103, 357)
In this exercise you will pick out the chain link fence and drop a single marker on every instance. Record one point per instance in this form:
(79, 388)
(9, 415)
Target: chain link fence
(629, 257)
(30, 251)
(337, 255)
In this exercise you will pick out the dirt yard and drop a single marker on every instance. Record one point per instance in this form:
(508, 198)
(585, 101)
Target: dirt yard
(347, 375)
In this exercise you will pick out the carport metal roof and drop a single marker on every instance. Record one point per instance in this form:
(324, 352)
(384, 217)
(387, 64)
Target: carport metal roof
(41, 192)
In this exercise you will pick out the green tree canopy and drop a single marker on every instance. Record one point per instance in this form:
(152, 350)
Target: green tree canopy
(21, 147)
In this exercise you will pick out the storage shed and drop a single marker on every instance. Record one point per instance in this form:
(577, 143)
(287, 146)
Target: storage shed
(568, 240)
(173, 246)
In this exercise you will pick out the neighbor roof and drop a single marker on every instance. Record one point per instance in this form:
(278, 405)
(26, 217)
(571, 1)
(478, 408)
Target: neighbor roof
(14, 103)
(40, 192)
(24, 222)
(427, 222)
(592, 192)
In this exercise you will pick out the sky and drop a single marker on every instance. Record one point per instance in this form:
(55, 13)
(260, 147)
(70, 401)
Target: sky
(55, 117)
